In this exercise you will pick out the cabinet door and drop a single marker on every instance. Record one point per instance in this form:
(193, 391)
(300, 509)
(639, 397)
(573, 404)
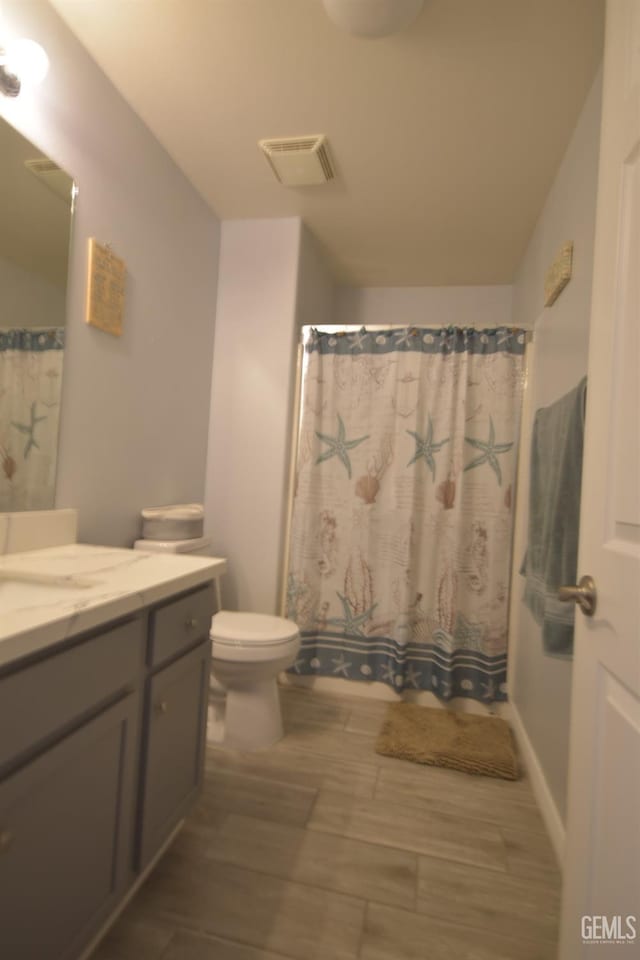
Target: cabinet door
(176, 714)
(65, 838)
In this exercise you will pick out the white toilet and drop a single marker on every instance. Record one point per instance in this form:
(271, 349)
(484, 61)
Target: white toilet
(249, 650)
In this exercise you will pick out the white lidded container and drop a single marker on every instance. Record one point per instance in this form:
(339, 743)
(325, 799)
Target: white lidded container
(200, 546)
(178, 521)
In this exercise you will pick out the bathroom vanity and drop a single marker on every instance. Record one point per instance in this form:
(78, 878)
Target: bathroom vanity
(104, 675)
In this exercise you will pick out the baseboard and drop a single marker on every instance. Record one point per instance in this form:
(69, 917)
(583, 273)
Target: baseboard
(546, 803)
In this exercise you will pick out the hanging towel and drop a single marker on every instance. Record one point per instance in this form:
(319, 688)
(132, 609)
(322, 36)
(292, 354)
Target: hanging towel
(554, 513)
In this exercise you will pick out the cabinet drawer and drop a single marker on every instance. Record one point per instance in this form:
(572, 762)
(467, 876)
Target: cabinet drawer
(180, 624)
(47, 696)
(176, 717)
(66, 821)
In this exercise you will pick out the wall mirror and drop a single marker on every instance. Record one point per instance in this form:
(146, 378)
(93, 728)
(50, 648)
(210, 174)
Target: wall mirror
(36, 200)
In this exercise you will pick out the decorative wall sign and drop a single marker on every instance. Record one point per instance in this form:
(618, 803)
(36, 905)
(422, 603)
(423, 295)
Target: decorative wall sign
(105, 288)
(558, 274)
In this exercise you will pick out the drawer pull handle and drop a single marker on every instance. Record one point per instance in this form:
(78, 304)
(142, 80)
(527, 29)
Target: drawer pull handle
(162, 706)
(191, 623)
(6, 839)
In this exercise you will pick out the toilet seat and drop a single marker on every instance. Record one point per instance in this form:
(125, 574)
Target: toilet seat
(251, 636)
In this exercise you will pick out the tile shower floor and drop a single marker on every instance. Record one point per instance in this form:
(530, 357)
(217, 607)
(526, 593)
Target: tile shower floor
(319, 849)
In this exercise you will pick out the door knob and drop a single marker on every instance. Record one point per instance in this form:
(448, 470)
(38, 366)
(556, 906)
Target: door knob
(584, 595)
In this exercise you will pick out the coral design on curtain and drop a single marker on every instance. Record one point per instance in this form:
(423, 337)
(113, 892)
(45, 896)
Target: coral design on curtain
(402, 515)
(30, 377)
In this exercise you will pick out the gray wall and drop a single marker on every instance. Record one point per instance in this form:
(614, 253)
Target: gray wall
(134, 409)
(540, 685)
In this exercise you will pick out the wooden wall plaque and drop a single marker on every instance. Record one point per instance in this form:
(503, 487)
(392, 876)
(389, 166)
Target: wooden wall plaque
(558, 274)
(105, 288)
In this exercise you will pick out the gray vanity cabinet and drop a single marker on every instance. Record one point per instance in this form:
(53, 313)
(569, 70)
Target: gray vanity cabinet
(65, 838)
(176, 713)
(101, 754)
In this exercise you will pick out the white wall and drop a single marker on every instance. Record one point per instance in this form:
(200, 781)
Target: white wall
(540, 685)
(29, 300)
(488, 306)
(134, 409)
(251, 402)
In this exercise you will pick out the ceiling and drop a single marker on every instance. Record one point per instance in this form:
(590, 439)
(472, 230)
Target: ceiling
(446, 137)
(35, 220)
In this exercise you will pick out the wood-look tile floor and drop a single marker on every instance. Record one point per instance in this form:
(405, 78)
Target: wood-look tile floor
(319, 849)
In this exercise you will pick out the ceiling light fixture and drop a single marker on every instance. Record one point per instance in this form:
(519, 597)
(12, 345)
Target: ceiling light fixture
(23, 63)
(372, 18)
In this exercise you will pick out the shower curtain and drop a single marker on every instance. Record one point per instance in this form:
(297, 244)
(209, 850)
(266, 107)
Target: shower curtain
(402, 515)
(30, 376)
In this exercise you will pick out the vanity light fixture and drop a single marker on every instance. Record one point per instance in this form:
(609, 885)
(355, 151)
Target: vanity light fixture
(23, 63)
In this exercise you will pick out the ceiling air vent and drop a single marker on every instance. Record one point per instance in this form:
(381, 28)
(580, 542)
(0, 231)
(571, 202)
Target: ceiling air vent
(299, 161)
(53, 177)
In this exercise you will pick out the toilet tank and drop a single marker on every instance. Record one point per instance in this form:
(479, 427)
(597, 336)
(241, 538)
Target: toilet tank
(178, 521)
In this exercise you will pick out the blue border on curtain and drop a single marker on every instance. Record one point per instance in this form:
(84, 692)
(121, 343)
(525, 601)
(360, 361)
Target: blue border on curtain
(35, 341)
(427, 667)
(419, 340)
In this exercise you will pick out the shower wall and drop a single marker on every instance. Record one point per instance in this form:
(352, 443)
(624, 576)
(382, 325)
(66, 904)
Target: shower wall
(540, 685)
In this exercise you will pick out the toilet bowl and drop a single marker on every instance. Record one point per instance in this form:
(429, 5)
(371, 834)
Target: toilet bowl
(248, 652)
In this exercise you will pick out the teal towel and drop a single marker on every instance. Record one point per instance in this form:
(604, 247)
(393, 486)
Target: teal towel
(554, 514)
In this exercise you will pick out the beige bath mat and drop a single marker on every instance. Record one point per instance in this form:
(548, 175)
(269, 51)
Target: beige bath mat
(462, 741)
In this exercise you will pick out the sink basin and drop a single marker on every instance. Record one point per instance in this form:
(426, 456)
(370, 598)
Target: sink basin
(27, 592)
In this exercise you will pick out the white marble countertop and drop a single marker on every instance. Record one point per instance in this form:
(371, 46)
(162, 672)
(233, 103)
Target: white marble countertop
(87, 586)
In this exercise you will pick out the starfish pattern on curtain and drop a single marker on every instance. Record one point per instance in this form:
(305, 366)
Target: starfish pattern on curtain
(338, 446)
(490, 450)
(426, 448)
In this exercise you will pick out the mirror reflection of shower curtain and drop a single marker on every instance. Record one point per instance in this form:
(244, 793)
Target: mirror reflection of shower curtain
(30, 380)
(402, 513)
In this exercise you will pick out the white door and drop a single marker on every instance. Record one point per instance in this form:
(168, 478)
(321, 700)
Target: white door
(602, 866)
